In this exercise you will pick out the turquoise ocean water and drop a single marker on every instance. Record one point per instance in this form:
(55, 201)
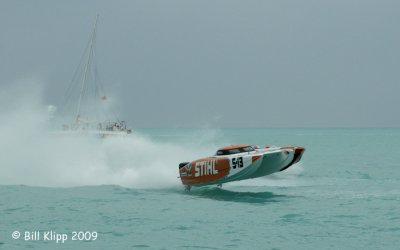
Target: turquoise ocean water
(345, 194)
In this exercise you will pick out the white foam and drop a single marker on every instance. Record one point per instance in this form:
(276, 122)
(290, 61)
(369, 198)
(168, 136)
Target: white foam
(32, 156)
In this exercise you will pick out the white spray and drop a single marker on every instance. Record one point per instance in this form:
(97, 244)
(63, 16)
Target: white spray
(30, 155)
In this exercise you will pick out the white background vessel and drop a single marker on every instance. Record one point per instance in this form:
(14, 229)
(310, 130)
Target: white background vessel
(87, 109)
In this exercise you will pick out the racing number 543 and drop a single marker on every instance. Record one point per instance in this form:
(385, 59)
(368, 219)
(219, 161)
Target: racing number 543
(237, 162)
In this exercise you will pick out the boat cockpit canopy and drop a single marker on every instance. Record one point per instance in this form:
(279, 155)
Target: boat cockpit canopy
(234, 150)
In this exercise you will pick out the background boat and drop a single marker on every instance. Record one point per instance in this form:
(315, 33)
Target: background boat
(87, 108)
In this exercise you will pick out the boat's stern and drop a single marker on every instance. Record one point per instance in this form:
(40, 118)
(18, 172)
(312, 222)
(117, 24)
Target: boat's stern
(203, 171)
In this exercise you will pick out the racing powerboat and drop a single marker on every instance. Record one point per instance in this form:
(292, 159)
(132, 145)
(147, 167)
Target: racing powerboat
(238, 162)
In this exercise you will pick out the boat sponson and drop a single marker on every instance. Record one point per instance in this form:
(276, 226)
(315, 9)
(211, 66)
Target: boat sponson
(297, 157)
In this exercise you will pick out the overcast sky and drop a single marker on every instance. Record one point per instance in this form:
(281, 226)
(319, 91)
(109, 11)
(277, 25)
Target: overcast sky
(217, 63)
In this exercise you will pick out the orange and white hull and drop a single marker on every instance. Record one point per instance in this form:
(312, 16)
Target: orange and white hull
(234, 167)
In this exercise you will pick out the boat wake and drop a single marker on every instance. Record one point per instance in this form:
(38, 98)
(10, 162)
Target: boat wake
(33, 156)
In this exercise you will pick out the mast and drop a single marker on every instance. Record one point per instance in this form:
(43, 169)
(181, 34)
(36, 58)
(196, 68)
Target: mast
(92, 39)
